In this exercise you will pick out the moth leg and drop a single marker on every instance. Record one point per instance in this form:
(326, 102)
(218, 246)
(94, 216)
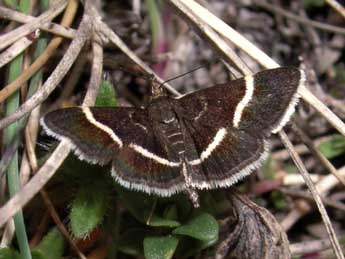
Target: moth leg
(191, 193)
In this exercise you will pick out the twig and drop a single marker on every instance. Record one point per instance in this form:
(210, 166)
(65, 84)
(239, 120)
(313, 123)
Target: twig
(318, 25)
(323, 187)
(309, 143)
(26, 29)
(297, 179)
(106, 33)
(218, 43)
(310, 246)
(44, 57)
(336, 6)
(331, 234)
(45, 197)
(61, 152)
(96, 73)
(57, 29)
(307, 196)
(17, 48)
(71, 81)
(55, 78)
(301, 149)
(7, 234)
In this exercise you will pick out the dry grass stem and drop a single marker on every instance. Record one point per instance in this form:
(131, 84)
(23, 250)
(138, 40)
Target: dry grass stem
(331, 234)
(45, 197)
(224, 49)
(297, 179)
(325, 162)
(54, 28)
(309, 247)
(306, 21)
(307, 196)
(337, 6)
(71, 81)
(106, 33)
(301, 149)
(17, 48)
(14, 35)
(55, 78)
(96, 74)
(61, 152)
(7, 234)
(67, 20)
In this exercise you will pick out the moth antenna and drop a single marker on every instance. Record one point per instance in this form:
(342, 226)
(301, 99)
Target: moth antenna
(186, 73)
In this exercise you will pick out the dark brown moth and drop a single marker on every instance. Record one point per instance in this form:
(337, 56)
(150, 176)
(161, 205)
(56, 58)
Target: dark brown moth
(203, 140)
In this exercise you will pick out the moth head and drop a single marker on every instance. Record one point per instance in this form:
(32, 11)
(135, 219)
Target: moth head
(157, 90)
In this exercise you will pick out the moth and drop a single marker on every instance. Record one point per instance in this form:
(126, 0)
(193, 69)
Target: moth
(206, 139)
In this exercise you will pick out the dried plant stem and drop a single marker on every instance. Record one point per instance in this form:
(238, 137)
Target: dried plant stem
(310, 246)
(17, 48)
(301, 149)
(96, 73)
(9, 135)
(307, 196)
(72, 81)
(316, 196)
(11, 37)
(45, 197)
(309, 143)
(323, 187)
(337, 6)
(224, 49)
(317, 25)
(7, 234)
(61, 152)
(111, 36)
(55, 78)
(57, 29)
(95, 82)
(44, 57)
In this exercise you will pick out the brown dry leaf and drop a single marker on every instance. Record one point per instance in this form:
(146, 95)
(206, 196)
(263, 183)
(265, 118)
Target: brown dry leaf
(254, 233)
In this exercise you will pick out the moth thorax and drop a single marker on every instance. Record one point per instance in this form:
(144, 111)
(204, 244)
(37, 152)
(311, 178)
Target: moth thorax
(162, 111)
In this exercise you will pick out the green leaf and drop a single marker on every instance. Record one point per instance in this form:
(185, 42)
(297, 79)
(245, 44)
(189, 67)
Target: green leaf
(170, 213)
(333, 147)
(279, 200)
(203, 227)
(88, 208)
(106, 95)
(131, 242)
(7, 253)
(157, 221)
(51, 247)
(37, 254)
(269, 168)
(160, 247)
(13, 4)
(139, 204)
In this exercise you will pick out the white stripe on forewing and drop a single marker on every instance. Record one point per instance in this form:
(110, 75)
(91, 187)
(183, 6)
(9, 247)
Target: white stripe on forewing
(249, 80)
(218, 138)
(291, 108)
(144, 152)
(105, 128)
